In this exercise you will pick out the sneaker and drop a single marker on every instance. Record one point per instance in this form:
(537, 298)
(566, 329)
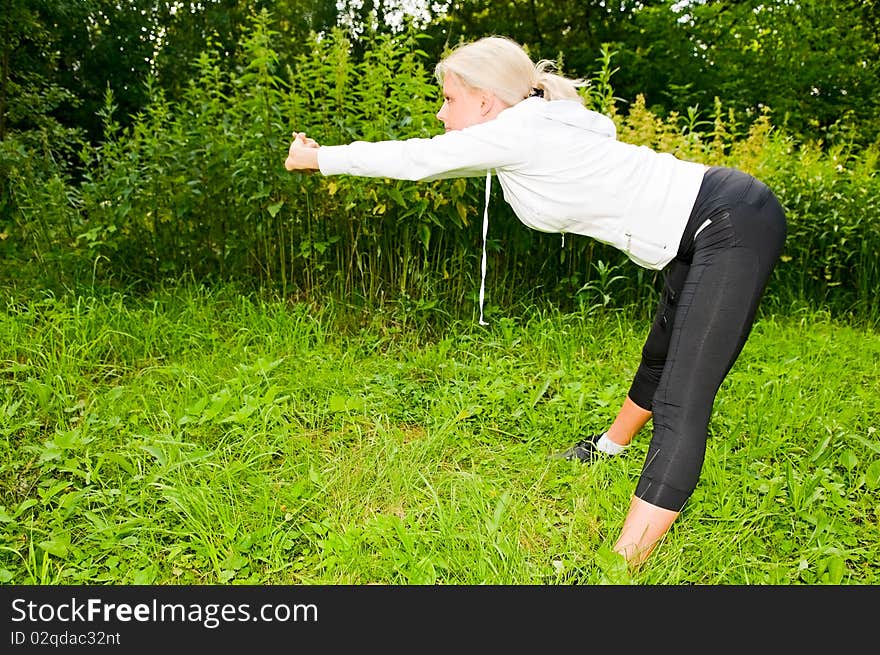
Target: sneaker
(584, 450)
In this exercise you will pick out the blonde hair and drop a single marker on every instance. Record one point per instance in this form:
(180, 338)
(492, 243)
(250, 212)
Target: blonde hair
(501, 65)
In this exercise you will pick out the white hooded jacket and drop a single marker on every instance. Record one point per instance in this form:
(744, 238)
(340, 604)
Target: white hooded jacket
(561, 168)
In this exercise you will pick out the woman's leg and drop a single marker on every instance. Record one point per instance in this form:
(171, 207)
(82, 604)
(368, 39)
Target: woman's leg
(710, 327)
(629, 420)
(636, 409)
(644, 526)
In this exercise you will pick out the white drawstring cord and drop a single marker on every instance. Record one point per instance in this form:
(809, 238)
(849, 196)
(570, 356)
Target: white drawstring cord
(485, 232)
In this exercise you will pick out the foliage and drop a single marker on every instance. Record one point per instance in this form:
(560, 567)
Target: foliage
(196, 186)
(72, 52)
(813, 62)
(823, 54)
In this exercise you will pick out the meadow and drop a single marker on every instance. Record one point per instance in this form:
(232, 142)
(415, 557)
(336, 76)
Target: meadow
(206, 435)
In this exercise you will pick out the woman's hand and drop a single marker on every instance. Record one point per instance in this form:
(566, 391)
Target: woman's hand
(303, 153)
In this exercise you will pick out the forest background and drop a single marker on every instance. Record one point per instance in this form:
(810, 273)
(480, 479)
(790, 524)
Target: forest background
(139, 140)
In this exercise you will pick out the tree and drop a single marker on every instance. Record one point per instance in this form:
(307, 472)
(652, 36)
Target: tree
(60, 57)
(187, 31)
(814, 63)
(575, 29)
(31, 92)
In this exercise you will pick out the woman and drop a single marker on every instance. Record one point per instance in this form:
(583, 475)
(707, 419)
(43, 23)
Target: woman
(715, 232)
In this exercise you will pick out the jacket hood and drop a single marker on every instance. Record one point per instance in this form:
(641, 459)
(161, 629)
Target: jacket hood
(573, 113)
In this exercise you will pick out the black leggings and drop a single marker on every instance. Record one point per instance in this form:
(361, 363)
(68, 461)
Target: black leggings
(706, 310)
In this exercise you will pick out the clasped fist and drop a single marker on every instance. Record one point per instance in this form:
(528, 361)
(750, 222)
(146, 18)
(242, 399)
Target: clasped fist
(302, 154)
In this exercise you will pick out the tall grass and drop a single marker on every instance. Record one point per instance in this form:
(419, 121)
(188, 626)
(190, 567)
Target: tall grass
(209, 435)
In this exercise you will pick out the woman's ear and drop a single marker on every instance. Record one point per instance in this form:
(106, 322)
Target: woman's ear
(487, 102)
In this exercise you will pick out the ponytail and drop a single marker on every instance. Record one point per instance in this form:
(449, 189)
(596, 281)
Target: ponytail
(554, 86)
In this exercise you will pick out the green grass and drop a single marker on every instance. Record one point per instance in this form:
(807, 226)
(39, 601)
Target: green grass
(198, 436)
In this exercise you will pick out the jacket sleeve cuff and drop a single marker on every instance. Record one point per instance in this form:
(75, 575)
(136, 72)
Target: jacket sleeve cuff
(332, 160)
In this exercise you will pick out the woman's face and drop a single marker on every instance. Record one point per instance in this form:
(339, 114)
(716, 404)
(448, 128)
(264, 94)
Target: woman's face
(463, 106)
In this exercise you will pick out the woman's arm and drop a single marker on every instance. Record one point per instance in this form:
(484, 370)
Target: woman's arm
(467, 152)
